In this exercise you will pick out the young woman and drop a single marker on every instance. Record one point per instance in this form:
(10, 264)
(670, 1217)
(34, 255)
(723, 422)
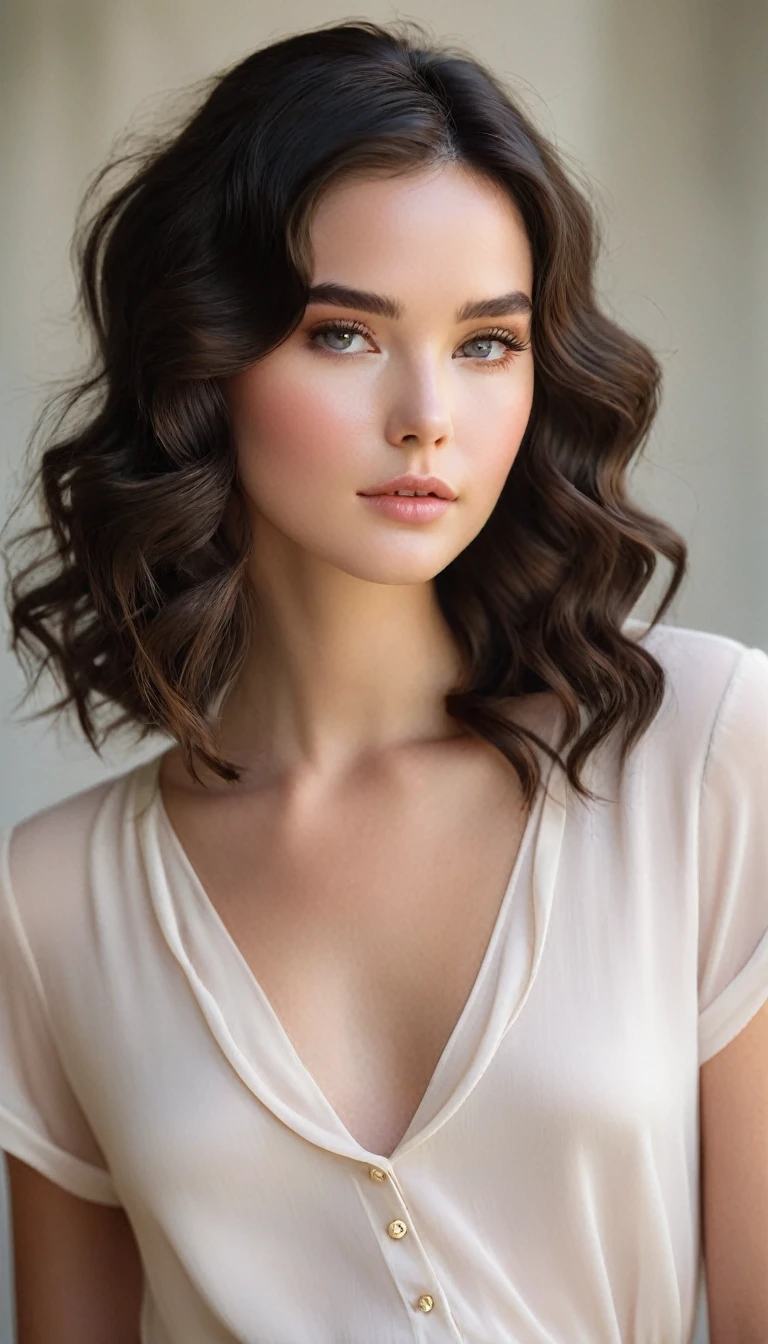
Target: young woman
(364, 1011)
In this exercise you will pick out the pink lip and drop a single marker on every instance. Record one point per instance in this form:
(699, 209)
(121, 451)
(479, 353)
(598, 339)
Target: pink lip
(410, 481)
(406, 509)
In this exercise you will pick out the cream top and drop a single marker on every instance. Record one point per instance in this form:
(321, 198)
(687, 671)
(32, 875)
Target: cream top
(548, 1185)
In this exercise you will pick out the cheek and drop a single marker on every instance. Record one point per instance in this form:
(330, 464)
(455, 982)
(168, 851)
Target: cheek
(495, 428)
(291, 430)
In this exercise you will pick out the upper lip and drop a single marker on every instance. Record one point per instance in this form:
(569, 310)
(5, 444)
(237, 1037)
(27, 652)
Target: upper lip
(431, 484)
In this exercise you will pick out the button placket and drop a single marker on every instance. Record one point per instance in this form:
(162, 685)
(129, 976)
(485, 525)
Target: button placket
(407, 1260)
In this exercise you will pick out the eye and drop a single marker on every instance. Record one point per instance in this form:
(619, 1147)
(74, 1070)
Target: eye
(337, 327)
(344, 328)
(513, 345)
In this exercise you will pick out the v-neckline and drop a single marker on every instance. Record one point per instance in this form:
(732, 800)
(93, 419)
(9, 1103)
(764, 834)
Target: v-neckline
(249, 1030)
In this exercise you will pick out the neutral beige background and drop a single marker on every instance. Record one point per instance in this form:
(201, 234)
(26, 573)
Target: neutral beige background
(662, 105)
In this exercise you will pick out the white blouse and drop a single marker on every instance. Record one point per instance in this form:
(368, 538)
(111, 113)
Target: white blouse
(547, 1189)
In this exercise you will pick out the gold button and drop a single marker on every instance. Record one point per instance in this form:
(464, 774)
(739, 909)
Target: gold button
(397, 1229)
(425, 1303)
(376, 1174)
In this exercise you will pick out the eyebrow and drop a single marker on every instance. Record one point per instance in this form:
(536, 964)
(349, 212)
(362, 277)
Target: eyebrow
(501, 306)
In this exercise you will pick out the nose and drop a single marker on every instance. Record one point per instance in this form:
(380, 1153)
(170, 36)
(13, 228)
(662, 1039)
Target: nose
(420, 415)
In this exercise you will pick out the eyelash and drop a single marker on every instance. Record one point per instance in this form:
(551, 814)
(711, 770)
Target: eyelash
(514, 346)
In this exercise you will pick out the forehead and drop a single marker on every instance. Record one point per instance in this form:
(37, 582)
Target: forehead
(445, 226)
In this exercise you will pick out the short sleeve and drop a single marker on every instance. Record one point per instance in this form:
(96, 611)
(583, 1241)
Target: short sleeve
(41, 1121)
(733, 859)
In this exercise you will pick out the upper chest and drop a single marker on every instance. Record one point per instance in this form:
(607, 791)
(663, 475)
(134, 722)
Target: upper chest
(366, 918)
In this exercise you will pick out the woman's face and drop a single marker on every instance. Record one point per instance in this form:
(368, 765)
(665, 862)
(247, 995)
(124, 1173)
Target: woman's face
(335, 410)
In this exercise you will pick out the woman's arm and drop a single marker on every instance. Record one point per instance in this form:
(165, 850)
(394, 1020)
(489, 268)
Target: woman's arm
(734, 1175)
(77, 1268)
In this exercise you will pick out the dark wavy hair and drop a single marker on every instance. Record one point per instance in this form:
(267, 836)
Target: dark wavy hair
(199, 264)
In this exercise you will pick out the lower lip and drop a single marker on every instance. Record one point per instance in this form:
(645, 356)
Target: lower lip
(407, 508)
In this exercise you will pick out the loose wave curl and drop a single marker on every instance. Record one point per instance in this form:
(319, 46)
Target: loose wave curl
(197, 266)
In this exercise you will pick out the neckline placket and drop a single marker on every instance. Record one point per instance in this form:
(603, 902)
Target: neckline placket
(251, 1035)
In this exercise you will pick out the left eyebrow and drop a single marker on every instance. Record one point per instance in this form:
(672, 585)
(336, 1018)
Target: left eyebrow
(503, 305)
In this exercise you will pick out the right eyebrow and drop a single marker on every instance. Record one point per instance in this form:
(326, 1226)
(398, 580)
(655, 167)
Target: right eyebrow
(502, 305)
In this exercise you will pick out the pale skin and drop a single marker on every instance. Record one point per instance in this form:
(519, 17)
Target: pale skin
(372, 814)
(353, 656)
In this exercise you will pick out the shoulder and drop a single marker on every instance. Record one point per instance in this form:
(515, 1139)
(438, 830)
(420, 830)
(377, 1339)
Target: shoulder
(684, 649)
(48, 836)
(46, 858)
(704, 681)
(700, 667)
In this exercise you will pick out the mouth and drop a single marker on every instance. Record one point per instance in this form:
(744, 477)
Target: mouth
(408, 508)
(412, 486)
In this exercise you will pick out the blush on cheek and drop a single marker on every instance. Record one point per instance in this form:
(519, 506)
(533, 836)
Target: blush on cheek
(286, 435)
(327, 420)
(521, 414)
(276, 396)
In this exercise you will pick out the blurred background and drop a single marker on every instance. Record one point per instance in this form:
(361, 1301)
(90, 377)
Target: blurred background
(661, 107)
